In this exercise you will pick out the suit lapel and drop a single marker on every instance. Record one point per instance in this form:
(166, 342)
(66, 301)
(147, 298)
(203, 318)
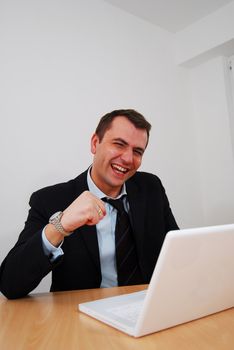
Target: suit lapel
(88, 233)
(137, 204)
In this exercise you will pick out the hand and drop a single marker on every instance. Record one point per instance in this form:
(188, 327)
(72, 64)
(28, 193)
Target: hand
(86, 209)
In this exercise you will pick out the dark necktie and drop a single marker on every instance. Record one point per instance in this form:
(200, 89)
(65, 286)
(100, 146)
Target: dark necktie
(126, 257)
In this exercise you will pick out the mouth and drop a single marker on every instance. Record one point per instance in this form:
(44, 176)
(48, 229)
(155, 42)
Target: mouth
(119, 169)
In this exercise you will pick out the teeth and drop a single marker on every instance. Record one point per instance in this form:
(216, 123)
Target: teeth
(119, 168)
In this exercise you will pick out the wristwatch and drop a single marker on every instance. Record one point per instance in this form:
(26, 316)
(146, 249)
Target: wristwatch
(55, 220)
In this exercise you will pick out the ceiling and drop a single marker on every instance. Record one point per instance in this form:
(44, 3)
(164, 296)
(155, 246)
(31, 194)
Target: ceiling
(171, 15)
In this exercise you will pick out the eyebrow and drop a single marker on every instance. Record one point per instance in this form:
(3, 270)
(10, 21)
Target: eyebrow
(139, 149)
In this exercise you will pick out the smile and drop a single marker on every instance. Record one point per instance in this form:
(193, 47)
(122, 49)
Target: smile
(119, 169)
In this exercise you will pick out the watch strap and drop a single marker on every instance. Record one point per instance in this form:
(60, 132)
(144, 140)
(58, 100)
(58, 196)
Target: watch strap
(55, 220)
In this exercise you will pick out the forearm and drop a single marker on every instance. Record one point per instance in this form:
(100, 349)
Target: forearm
(53, 236)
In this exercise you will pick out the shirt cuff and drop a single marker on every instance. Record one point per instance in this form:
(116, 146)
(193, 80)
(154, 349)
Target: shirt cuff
(49, 249)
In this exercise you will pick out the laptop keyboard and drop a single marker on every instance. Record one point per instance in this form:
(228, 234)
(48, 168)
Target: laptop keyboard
(128, 312)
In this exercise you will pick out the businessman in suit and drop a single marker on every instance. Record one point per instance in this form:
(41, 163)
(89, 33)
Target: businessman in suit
(71, 227)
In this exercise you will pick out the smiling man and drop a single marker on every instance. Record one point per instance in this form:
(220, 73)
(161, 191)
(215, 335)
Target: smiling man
(101, 229)
(117, 154)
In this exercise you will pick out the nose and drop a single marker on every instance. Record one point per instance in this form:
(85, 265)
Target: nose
(127, 156)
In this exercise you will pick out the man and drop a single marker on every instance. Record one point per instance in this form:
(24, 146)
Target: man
(70, 229)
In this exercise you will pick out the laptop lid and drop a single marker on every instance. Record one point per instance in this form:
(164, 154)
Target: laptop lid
(193, 278)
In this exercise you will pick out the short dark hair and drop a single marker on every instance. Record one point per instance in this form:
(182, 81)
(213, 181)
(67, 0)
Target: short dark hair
(137, 119)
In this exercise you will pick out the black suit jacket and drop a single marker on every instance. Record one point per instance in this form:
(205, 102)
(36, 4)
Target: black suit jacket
(79, 267)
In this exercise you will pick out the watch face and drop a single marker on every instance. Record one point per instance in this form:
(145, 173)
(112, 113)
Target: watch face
(55, 220)
(55, 215)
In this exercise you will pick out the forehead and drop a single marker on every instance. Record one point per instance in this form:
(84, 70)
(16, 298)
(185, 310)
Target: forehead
(122, 128)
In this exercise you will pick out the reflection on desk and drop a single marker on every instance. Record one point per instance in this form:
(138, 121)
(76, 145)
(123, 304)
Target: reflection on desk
(52, 321)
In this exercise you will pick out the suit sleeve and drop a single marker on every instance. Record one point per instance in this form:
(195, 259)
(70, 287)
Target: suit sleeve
(170, 222)
(26, 264)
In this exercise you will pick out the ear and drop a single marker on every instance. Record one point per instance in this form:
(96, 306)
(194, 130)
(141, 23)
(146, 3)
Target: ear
(94, 142)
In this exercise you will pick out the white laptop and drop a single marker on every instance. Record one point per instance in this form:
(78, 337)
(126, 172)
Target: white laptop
(193, 277)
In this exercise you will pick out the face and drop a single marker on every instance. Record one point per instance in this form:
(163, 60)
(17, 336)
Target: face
(118, 156)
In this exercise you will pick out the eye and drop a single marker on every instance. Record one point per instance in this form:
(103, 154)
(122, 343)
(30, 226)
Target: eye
(138, 152)
(118, 143)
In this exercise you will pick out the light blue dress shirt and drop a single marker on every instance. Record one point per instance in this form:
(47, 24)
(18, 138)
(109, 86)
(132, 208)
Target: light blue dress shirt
(106, 238)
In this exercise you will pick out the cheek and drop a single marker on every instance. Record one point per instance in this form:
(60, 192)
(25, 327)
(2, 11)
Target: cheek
(113, 153)
(106, 156)
(137, 162)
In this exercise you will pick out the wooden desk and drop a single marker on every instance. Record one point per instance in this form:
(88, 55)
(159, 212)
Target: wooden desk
(52, 321)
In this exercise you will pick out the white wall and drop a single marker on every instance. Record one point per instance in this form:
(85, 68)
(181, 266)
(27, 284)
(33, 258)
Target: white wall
(63, 64)
(214, 140)
(204, 47)
(230, 95)
(211, 36)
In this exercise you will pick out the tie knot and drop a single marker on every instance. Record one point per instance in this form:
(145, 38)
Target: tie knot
(116, 203)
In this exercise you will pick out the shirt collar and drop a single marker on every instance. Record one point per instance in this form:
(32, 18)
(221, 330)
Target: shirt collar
(97, 192)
